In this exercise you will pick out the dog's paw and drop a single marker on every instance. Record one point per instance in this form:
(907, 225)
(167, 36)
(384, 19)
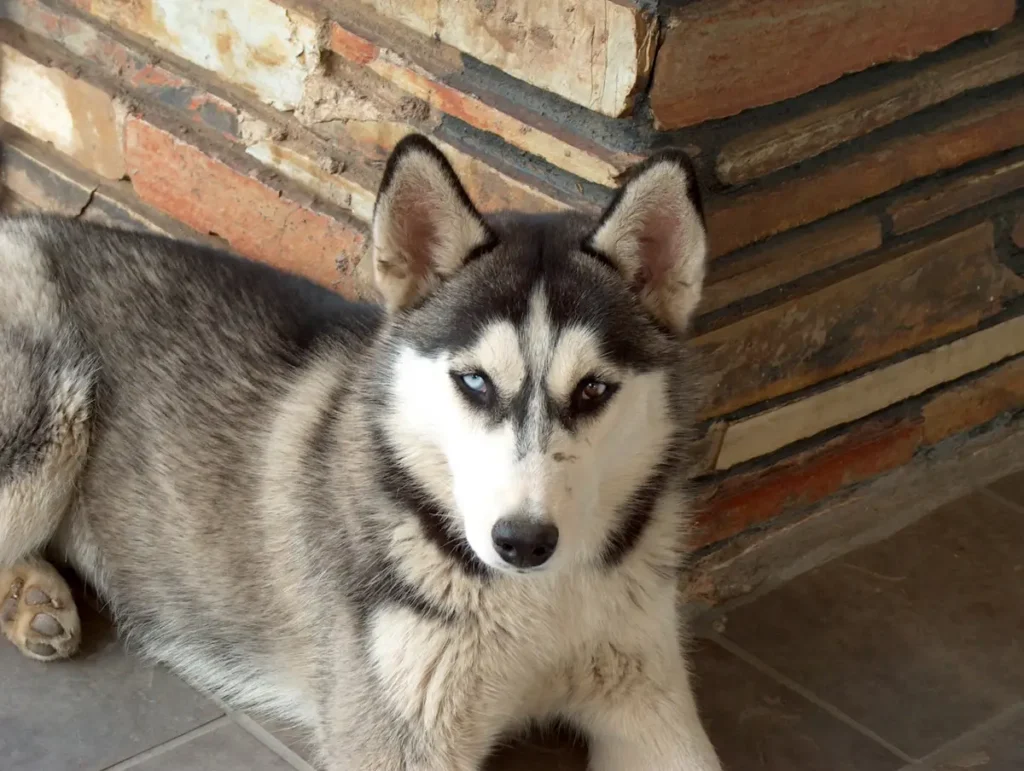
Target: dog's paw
(37, 612)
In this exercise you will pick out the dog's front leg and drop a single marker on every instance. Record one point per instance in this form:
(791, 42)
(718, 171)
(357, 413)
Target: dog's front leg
(369, 738)
(417, 702)
(649, 722)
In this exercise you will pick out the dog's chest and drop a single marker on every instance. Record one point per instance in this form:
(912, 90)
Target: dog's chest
(530, 655)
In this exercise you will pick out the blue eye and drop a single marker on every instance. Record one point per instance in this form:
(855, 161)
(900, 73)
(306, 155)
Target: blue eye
(476, 387)
(475, 382)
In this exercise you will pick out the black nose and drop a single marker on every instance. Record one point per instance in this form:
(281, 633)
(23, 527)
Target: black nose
(523, 542)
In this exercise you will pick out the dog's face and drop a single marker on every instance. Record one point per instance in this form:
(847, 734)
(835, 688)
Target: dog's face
(531, 381)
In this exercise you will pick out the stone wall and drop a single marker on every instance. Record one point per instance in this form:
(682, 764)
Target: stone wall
(862, 158)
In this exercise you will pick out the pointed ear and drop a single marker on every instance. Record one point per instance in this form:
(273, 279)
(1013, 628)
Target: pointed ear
(424, 225)
(654, 233)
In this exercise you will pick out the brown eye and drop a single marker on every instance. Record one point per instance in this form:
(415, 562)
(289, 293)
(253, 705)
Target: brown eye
(590, 395)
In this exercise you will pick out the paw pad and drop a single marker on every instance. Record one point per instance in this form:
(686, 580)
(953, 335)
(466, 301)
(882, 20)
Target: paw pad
(37, 612)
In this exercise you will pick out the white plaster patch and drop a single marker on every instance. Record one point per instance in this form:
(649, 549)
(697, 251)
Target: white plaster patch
(256, 44)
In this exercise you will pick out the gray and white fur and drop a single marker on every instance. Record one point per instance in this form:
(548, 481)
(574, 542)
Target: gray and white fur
(413, 527)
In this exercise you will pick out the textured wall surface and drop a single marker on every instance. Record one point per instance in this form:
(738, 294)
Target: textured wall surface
(862, 159)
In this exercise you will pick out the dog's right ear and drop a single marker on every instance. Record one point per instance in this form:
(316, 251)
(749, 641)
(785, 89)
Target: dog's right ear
(424, 226)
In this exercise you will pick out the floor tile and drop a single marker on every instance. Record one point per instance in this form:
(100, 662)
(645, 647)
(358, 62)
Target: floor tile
(757, 724)
(1000, 749)
(89, 713)
(298, 740)
(919, 637)
(226, 748)
(1011, 488)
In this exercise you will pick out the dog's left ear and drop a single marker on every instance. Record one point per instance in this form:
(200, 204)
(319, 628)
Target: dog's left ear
(654, 233)
(424, 225)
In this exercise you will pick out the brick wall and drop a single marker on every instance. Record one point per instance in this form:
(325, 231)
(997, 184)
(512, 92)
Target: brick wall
(863, 160)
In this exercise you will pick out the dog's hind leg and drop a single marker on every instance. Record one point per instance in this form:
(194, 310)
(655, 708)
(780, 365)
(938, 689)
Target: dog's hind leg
(46, 387)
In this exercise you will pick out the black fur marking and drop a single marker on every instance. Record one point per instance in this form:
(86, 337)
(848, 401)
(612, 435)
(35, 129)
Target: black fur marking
(384, 587)
(636, 516)
(538, 251)
(409, 494)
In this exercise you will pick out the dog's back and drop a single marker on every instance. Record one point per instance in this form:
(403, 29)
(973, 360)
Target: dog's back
(170, 362)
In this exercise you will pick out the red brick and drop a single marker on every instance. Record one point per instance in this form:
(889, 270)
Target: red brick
(258, 221)
(975, 402)
(922, 294)
(956, 195)
(722, 57)
(744, 501)
(352, 46)
(776, 147)
(742, 220)
(769, 430)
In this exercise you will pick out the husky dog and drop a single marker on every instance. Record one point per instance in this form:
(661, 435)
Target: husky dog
(413, 526)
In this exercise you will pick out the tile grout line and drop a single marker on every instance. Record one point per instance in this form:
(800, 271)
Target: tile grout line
(264, 737)
(999, 498)
(997, 721)
(170, 744)
(792, 685)
(270, 741)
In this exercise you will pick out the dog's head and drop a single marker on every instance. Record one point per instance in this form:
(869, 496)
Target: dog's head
(531, 376)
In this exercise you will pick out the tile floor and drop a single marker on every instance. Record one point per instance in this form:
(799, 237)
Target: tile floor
(907, 654)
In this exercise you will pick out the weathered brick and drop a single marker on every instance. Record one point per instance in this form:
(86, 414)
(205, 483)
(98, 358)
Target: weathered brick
(79, 119)
(751, 499)
(596, 53)
(12, 204)
(865, 451)
(975, 402)
(741, 220)
(258, 221)
(722, 57)
(852, 400)
(770, 149)
(592, 163)
(786, 259)
(147, 78)
(115, 204)
(705, 453)
(490, 189)
(256, 44)
(953, 196)
(42, 178)
(924, 294)
(1018, 231)
(297, 163)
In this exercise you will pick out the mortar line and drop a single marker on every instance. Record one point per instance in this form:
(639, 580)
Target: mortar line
(798, 689)
(170, 744)
(999, 720)
(1000, 498)
(271, 742)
